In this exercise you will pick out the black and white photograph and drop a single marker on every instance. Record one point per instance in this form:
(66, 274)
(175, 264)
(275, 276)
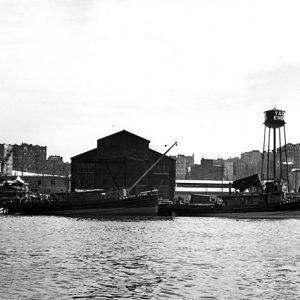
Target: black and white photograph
(150, 149)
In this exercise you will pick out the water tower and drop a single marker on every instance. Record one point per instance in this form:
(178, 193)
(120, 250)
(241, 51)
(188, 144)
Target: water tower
(274, 129)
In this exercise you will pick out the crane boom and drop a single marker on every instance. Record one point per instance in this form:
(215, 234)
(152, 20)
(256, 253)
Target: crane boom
(156, 162)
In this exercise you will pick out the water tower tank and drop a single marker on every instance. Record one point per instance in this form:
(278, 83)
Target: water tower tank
(274, 118)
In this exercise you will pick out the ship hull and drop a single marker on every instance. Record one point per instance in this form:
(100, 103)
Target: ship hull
(88, 204)
(276, 210)
(94, 212)
(256, 215)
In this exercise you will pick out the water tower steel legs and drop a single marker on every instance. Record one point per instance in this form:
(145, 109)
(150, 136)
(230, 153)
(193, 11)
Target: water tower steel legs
(268, 157)
(274, 153)
(273, 145)
(286, 160)
(262, 175)
(280, 153)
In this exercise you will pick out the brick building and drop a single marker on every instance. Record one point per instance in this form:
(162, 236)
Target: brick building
(118, 161)
(207, 171)
(183, 165)
(56, 166)
(293, 154)
(30, 158)
(228, 169)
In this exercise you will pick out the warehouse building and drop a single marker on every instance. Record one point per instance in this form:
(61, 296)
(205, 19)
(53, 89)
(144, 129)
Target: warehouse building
(118, 162)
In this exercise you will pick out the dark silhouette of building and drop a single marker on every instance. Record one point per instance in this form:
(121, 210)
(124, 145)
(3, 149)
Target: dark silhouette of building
(207, 170)
(29, 158)
(293, 153)
(183, 165)
(118, 162)
(56, 166)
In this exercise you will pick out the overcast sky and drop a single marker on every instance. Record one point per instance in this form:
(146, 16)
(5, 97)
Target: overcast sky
(198, 72)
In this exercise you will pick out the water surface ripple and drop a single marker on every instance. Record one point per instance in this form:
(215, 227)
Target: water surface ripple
(180, 258)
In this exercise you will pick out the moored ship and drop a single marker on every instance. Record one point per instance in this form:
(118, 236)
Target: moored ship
(252, 196)
(88, 203)
(97, 202)
(269, 201)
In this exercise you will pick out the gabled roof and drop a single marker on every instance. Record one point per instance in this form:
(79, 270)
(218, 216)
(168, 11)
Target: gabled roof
(159, 154)
(82, 155)
(123, 132)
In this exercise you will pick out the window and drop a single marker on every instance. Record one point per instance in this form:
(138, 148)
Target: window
(52, 181)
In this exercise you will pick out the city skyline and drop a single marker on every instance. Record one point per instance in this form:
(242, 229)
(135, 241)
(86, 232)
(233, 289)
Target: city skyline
(201, 73)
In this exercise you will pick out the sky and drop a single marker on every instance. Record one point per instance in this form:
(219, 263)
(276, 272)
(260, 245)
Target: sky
(199, 72)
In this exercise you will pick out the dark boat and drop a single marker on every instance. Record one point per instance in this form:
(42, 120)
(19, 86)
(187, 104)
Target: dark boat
(251, 198)
(88, 203)
(268, 201)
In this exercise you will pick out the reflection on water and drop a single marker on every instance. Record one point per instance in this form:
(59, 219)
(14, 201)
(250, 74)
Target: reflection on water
(180, 258)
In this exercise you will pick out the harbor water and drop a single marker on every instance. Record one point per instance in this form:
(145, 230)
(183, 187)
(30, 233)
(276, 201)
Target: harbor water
(157, 258)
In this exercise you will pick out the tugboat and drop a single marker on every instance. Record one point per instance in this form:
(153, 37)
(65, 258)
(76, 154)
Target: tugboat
(252, 197)
(270, 200)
